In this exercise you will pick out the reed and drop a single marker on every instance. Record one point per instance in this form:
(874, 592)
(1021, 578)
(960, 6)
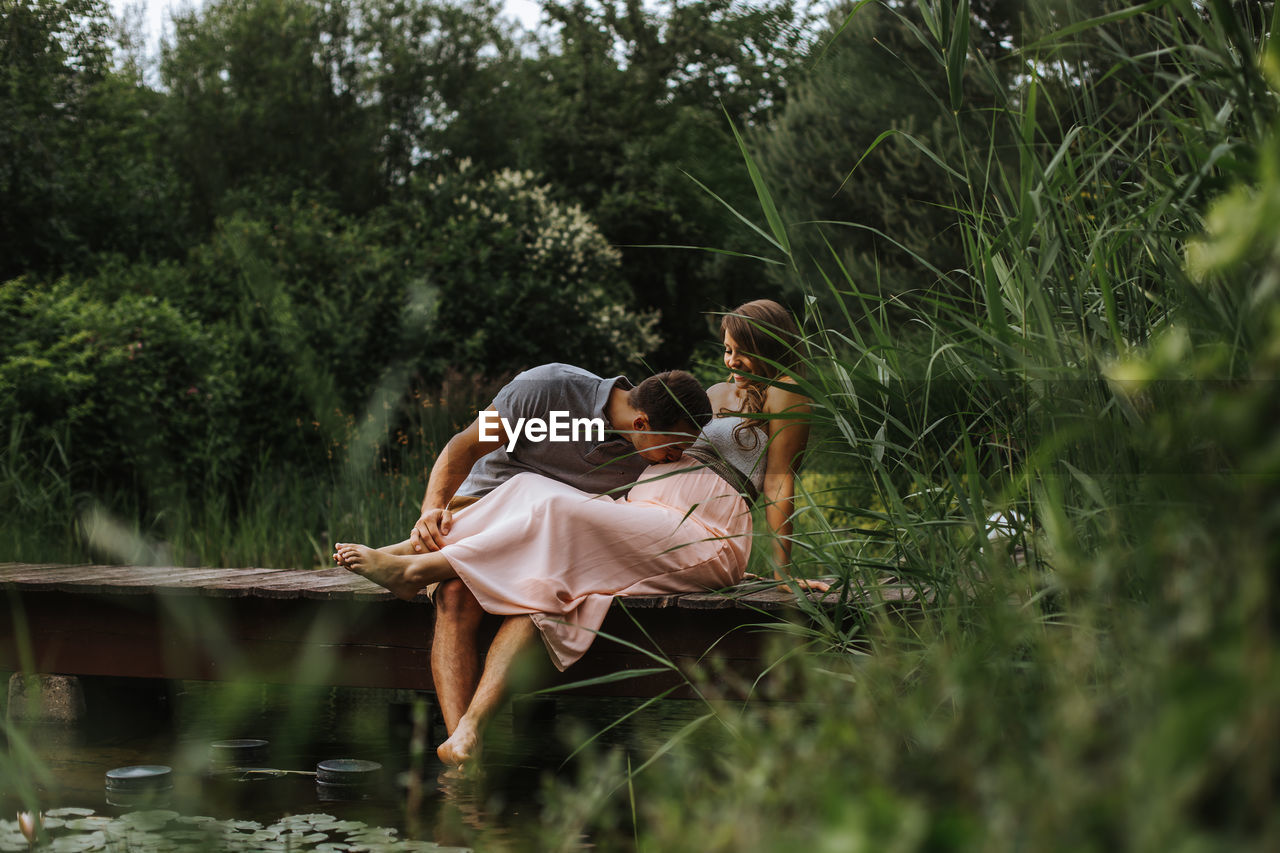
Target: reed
(1100, 674)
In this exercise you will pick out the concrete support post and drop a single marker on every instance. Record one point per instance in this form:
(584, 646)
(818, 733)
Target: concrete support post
(46, 698)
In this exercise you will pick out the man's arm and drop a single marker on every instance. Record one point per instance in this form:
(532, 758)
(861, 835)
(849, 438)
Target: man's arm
(448, 473)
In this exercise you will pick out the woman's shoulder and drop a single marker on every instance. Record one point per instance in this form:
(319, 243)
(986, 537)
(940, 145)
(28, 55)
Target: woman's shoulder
(784, 396)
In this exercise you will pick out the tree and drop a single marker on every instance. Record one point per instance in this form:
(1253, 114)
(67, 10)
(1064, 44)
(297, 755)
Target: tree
(520, 278)
(79, 167)
(345, 97)
(871, 74)
(618, 108)
(263, 102)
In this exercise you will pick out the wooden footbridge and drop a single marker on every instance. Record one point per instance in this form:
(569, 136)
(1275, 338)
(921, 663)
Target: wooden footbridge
(335, 628)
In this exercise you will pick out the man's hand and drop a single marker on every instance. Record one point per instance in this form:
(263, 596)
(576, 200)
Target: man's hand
(448, 473)
(428, 534)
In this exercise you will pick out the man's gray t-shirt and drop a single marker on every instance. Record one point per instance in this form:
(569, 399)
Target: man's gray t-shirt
(598, 467)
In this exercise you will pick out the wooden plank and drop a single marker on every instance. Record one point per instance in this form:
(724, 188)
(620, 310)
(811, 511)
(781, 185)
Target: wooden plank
(192, 581)
(16, 570)
(705, 601)
(651, 602)
(283, 584)
(242, 583)
(43, 576)
(143, 580)
(331, 584)
(22, 571)
(102, 578)
(324, 584)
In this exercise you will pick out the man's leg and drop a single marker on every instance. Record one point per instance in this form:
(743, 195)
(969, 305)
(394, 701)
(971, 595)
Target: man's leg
(455, 649)
(517, 635)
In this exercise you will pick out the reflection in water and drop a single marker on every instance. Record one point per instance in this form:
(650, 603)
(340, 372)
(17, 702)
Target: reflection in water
(414, 799)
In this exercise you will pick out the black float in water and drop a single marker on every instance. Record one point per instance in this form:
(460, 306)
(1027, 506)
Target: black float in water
(246, 752)
(346, 779)
(143, 784)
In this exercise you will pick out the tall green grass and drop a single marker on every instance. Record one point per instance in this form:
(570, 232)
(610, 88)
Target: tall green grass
(1104, 366)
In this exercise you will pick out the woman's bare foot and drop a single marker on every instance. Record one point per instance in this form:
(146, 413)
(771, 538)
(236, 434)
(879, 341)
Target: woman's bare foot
(462, 747)
(383, 569)
(396, 549)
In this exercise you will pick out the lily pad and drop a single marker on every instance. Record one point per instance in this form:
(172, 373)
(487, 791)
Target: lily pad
(75, 843)
(68, 811)
(149, 816)
(311, 818)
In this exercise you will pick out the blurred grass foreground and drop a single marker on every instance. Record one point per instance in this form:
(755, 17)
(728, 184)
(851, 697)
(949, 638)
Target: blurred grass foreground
(1041, 304)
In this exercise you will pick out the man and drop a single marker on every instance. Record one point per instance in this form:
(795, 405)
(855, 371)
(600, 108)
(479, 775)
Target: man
(650, 423)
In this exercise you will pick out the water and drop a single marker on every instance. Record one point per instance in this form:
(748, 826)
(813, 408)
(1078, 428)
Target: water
(278, 806)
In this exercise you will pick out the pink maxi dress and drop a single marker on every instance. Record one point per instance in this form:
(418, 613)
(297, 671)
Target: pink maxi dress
(539, 547)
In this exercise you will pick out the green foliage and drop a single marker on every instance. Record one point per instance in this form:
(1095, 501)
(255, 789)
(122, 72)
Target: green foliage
(80, 166)
(129, 386)
(263, 99)
(617, 107)
(349, 98)
(521, 277)
(841, 152)
(313, 310)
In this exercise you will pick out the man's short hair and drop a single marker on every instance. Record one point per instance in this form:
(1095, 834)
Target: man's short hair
(670, 400)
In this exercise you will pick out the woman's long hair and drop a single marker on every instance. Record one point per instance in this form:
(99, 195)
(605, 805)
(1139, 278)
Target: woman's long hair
(766, 332)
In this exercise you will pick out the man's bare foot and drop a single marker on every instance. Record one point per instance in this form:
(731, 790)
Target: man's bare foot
(463, 746)
(383, 569)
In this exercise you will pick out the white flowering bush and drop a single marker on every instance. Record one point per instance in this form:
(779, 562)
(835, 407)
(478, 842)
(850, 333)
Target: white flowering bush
(522, 278)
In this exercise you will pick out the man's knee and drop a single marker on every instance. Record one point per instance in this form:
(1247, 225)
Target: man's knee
(454, 602)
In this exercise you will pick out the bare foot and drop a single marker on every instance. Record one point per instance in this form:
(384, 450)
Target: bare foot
(383, 569)
(462, 747)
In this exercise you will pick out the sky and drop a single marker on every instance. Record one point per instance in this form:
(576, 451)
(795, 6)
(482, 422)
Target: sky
(158, 12)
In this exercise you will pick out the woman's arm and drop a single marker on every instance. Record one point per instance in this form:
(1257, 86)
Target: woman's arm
(788, 437)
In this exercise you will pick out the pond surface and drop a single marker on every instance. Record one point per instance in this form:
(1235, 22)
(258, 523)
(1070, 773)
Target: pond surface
(411, 803)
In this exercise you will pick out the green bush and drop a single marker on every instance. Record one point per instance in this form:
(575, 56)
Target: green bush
(135, 392)
(521, 277)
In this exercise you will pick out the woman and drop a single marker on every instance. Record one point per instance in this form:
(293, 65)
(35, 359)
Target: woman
(760, 341)
(538, 548)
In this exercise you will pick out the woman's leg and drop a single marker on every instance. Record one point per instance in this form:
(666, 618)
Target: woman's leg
(398, 549)
(517, 634)
(404, 576)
